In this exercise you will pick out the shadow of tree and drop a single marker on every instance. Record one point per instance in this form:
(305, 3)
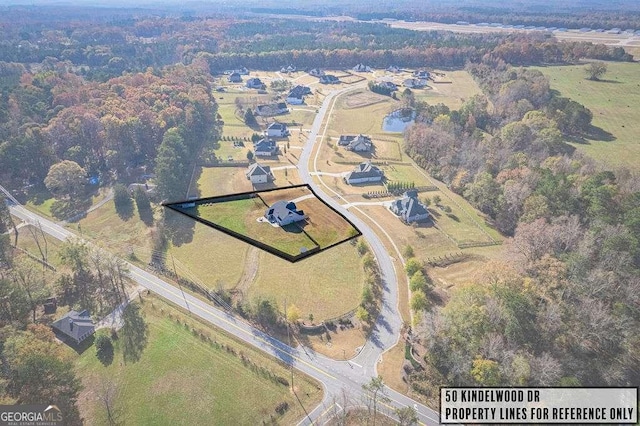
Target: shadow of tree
(178, 228)
(125, 212)
(134, 333)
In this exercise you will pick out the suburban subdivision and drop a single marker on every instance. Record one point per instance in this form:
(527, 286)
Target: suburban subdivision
(327, 213)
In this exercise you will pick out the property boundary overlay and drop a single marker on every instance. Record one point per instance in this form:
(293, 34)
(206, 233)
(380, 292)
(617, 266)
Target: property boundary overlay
(176, 206)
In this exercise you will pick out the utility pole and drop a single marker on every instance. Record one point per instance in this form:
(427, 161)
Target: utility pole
(180, 285)
(286, 319)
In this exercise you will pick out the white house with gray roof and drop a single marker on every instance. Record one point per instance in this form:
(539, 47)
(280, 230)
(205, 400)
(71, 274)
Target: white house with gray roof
(409, 208)
(364, 172)
(284, 213)
(257, 173)
(277, 130)
(356, 143)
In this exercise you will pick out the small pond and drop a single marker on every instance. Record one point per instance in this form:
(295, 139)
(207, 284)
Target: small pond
(396, 122)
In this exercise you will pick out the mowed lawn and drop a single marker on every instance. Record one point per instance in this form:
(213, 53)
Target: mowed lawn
(615, 103)
(326, 285)
(242, 216)
(211, 257)
(182, 379)
(324, 225)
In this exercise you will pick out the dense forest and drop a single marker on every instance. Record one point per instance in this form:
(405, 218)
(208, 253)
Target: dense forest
(563, 309)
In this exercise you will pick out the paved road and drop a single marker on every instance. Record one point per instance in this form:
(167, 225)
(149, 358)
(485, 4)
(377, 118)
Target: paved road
(335, 376)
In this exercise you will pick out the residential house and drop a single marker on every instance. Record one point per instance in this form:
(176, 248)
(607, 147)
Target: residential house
(389, 85)
(277, 130)
(296, 95)
(415, 83)
(364, 172)
(288, 69)
(362, 68)
(421, 74)
(284, 212)
(235, 77)
(265, 148)
(359, 143)
(329, 79)
(316, 72)
(271, 109)
(242, 71)
(255, 83)
(409, 208)
(74, 326)
(394, 69)
(257, 173)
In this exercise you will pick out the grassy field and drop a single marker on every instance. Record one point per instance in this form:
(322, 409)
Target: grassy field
(212, 257)
(325, 285)
(241, 216)
(615, 105)
(121, 237)
(182, 378)
(324, 225)
(27, 241)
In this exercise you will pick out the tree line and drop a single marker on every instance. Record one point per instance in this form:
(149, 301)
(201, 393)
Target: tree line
(562, 309)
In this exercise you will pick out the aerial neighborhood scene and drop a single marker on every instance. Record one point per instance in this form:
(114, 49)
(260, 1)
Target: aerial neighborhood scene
(319, 213)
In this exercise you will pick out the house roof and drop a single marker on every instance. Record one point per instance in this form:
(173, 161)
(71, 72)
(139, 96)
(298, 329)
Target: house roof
(277, 126)
(283, 209)
(254, 80)
(76, 325)
(265, 144)
(329, 78)
(299, 92)
(257, 169)
(409, 206)
(359, 141)
(365, 170)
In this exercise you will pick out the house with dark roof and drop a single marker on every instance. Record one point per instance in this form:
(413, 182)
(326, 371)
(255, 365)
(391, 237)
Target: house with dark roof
(394, 69)
(409, 208)
(421, 74)
(235, 77)
(284, 212)
(297, 94)
(74, 326)
(257, 173)
(356, 143)
(362, 68)
(415, 83)
(389, 85)
(277, 130)
(255, 83)
(364, 172)
(265, 147)
(271, 109)
(329, 79)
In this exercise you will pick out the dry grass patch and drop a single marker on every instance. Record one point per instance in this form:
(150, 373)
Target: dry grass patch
(212, 257)
(338, 344)
(326, 285)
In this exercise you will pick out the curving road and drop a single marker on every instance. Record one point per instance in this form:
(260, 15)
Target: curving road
(335, 376)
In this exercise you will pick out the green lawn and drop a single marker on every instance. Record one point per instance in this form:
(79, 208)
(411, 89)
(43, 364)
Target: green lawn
(615, 103)
(182, 378)
(241, 216)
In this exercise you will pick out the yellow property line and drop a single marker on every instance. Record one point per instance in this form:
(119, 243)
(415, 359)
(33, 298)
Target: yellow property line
(245, 331)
